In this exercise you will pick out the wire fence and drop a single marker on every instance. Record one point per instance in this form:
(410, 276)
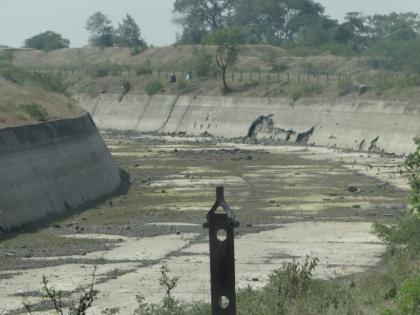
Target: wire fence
(234, 76)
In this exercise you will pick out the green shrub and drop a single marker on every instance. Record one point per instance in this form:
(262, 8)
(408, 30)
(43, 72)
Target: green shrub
(35, 112)
(313, 69)
(144, 68)
(153, 87)
(202, 63)
(99, 72)
(292, 280)
(14, 74)
(279, 67)
(408, 298)
(103, 70)
(6, 56)
(400, 54)
(406, 232)
(134, 51)
(51, 82)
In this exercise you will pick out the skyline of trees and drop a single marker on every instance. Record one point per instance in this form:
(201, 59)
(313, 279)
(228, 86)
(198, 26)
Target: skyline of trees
(285, 23)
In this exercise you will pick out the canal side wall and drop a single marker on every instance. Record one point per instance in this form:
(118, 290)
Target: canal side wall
(357, 125)
(50, 168)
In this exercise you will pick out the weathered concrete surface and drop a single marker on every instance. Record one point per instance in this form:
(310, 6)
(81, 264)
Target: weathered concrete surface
(375, 126)
(52, 167)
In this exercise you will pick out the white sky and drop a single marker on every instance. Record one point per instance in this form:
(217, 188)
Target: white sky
(20, 19)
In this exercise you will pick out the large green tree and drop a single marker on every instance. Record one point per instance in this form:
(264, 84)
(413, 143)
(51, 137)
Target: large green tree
(47, 41)
(100, 29)
(128, 33)
(200, 17)
(394, 26)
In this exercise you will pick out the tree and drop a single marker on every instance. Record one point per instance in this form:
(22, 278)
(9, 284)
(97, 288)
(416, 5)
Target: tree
(200, 17)
(395, 26)
(128, 33)
(227, 51)
(101, 30)
(47, 41)
(276, 21)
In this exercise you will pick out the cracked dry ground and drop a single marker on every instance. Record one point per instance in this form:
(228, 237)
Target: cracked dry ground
(291, 202)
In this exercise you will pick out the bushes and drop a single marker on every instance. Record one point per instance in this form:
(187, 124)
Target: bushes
(144, 68)
(407, 301)
(406, 232)
(6, 56)
(270, 59)
(34, 112)
(153, 87)
(398, 55)
(103, 70)
(202, 62)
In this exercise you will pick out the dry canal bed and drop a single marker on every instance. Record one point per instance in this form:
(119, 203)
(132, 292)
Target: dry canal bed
(292, 202)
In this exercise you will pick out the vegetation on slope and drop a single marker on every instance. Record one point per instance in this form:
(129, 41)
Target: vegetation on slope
(27, 97)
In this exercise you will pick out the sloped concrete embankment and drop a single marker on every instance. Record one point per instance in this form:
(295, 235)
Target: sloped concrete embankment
(52, 167)
(375, 126)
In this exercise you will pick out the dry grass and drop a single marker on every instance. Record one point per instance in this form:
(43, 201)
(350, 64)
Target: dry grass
(251, 58)
(14, 98)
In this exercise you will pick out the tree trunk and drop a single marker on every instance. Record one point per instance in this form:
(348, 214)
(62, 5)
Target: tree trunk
(225, 86)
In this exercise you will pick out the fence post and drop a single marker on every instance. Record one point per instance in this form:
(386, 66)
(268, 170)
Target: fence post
(222, 256)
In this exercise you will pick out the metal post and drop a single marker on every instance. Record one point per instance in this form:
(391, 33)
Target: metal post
(222, 256)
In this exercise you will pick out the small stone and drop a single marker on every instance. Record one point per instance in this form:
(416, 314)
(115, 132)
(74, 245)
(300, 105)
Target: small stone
(353, 189)
(56, 226)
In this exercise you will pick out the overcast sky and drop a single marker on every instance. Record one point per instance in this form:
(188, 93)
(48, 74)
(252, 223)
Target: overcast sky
(20, 19)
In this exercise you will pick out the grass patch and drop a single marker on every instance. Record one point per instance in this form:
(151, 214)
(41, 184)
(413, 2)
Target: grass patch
(34, 112)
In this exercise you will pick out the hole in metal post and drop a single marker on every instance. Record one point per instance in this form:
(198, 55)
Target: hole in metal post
(221, 235)
(224, 302)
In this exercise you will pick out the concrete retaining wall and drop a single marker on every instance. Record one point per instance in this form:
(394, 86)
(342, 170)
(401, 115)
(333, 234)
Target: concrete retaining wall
(356, 125)
(51, 167)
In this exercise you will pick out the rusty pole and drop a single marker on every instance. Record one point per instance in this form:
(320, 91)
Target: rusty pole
(222, 256)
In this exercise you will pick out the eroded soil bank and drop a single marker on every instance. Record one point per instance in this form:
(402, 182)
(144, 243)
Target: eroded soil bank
(291, 202)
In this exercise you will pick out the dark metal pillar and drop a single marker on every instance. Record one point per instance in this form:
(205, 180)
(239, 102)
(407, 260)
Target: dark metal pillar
(222, 256)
